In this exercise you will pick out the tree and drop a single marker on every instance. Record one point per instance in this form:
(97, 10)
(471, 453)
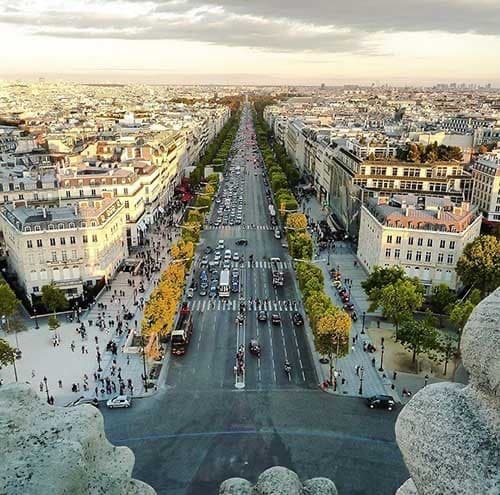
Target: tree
(312, 285)
(460, 313)
(479, 265)
(442, 300)
(8, 300)
(399, 301)
(296, 221)
(53, 323)
(54, 298)
(379, 278)
(332, 335)
(448, 348)
(7, 355)
(418, 337)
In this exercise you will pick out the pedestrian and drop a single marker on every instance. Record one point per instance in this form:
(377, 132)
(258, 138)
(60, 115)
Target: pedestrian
(357, 369)
(32, 373)
(41, 386)
(59, 382)
(394, 375)
(83, 349)
(373, 362)
(72, 346)
(96, 339)
(96, 391)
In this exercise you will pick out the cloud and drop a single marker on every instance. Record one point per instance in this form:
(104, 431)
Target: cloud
(322, 26)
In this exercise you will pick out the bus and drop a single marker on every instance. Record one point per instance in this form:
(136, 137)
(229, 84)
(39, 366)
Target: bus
(224, 283)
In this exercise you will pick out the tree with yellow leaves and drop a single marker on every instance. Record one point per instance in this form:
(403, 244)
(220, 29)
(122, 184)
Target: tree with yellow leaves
(332, 335)
(183, 250)
(296, 221)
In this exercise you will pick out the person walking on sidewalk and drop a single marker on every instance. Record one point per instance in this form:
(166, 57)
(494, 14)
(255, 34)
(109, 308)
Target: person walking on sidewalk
(72, 346)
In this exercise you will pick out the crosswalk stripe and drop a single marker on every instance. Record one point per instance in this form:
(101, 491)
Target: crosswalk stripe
(233, 305)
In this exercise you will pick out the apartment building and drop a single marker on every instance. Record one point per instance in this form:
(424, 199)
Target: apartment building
(486, 191)
(74, 247)
(424, 235)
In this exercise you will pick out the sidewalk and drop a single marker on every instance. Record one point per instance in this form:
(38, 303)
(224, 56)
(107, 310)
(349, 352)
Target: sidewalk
(76, 357)
(349, 380)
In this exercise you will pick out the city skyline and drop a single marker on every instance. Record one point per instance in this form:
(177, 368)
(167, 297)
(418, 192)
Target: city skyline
(217, 42)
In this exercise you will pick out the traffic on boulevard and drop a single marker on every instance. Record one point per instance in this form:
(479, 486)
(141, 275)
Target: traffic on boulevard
(245, 322)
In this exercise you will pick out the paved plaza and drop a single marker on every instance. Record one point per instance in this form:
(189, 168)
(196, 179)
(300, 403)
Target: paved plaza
(73, 363)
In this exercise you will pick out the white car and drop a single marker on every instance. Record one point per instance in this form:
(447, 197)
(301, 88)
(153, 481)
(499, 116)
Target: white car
(119, 401)
(190, 293)
(236, 257)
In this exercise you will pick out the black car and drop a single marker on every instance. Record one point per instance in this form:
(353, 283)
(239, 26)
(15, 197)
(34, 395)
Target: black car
(297, 319)
(275, 319)
(242, 242)
(254, 347)
(262, 316)
(208, 250)
(381, 402)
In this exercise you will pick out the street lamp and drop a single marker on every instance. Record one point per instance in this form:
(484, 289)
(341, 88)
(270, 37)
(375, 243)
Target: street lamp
(382, 355)
(46, 389)
(361, 371)
(99, 369)
(363, 326)
(37, 327)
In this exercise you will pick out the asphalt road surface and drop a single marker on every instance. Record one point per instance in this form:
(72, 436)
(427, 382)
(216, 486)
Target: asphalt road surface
(200, 429)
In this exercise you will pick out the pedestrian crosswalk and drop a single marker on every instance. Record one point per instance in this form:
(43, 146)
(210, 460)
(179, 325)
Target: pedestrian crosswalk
(242, 227)
(234, 305)
(248, 264)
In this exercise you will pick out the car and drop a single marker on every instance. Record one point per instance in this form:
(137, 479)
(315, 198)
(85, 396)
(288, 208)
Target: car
(82, 400)
(190, 293)
(277, 234)
(297, 319)
(381, 402)
(226, 265)
(236, 257)
(217, 258)
(204, 261)
(208, 250)
(235, 286)
(204, 291)
(235, 273)
(254, 347)
(262, 316)
(242, 242)
(227, 254)
(220, 244)
(276, 319)
(119, 401)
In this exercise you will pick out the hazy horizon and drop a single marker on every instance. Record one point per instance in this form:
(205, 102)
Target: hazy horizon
(394, 42)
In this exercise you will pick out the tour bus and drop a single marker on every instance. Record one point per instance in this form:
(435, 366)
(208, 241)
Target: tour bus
(224, 283)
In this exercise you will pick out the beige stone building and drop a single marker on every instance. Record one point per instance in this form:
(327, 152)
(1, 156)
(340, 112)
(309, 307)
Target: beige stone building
(486, 191)
(424, 235)
(74, 247)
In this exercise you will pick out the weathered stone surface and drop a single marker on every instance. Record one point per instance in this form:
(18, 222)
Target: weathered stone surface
(450, 434)
(59, 451)
(278, 481)
(236, 486)
(320, 486)
(407, 488)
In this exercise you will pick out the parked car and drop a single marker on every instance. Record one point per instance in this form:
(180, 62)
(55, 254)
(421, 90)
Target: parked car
(297, 319)
(381, 402)
(275, 318)
(119, 401)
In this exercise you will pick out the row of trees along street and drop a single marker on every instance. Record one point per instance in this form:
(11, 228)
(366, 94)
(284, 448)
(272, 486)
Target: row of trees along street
(399, 297)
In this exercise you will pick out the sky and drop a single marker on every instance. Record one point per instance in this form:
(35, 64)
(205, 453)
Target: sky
(252, 41)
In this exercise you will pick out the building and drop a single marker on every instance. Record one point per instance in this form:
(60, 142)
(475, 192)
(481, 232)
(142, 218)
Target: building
(424, 235)
(486, 190)
(74, 247)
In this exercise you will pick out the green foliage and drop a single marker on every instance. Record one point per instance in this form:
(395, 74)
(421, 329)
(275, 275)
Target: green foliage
(479, 265)
(8, 300)
(7, 353)
(381, 277)
(418, 153)
(442, 299)
(53, 323)
(54, 298)
(419, 337)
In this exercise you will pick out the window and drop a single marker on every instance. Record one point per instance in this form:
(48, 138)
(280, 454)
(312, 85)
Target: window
(397, 253)
(68, 194)
(54, 256)
(126, 204)
(64, 256)
(428, 255)
(442, 244)
(52, 241)
(73, 254)
(452, 244)
(72, 240)
(398, 239)
(39, 243)
(418, 256)
(94, 238)
(85, 239)
(29, 244)
(409, 255)
(81, 193)
(440, 257)
(410, 241)
(420, 241)
(429, 242)
(388, 253)
(389, 239)
(62, 241)
(450, 259)
(36, 288)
